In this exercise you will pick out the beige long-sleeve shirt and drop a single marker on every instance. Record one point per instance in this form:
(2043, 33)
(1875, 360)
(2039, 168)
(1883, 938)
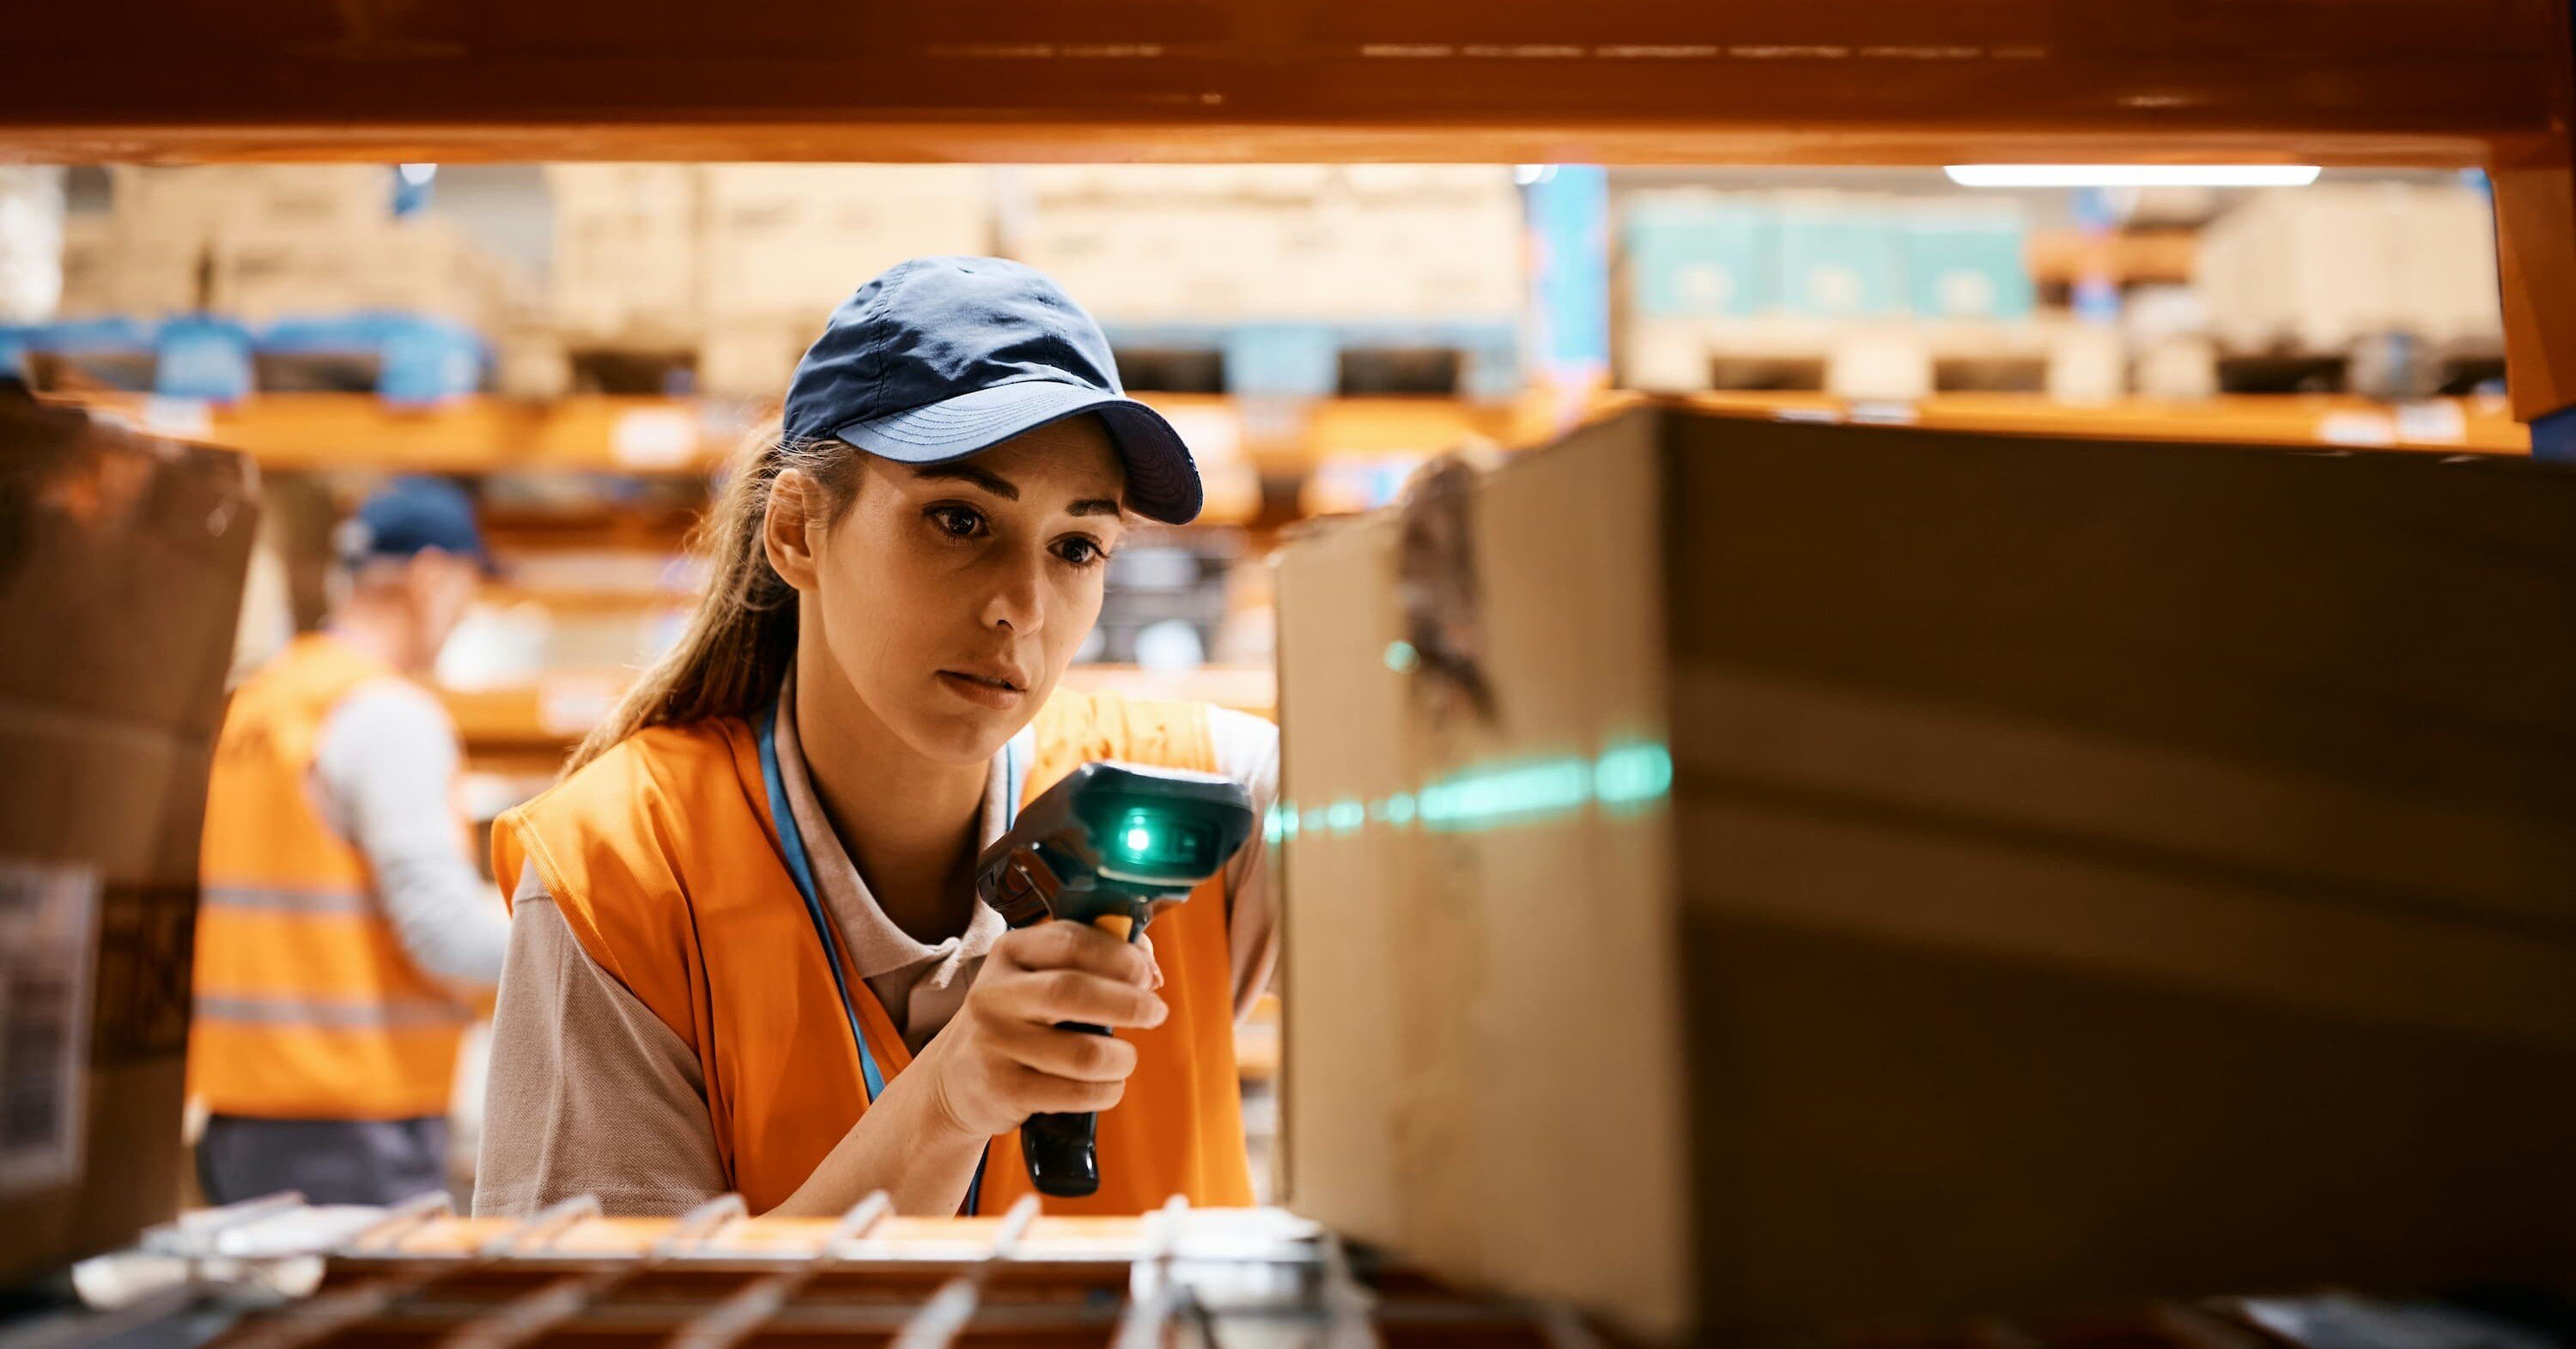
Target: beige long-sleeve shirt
(590, 1091)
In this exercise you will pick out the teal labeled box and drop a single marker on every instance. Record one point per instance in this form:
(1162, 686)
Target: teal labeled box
(1700, 255)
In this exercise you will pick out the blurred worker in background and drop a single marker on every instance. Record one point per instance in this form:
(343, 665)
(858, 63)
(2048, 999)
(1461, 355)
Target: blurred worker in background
(345, 938)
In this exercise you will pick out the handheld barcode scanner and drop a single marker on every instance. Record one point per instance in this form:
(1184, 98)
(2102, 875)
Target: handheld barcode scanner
(1101, 847)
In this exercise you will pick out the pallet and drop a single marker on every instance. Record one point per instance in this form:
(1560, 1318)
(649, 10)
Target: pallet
(1887, 359)
(1462, 358)
(641, 371)
(2380, 365)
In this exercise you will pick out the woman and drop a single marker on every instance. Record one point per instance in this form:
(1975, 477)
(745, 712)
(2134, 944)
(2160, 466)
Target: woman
(745, 952)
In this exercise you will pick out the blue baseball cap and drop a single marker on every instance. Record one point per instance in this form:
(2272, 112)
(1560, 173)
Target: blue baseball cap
(941, 358)
(411, 515)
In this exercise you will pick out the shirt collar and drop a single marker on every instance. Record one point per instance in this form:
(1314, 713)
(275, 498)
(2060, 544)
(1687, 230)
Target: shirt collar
(875, 944)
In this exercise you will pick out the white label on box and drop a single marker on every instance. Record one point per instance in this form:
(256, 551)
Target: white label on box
(1214, 434)
(179, 418)
(654, 438)
(2356, 428)
(2436, 423)
(48, 949)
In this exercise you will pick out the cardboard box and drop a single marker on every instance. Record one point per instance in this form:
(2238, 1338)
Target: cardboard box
(1842, 255)
(2315, 269)
(313, 199)
(113, 266)
(790, 241)
(118, 589)
(1695, 254)
(752, 359)
(1967, 261)
(1143, 243)
(625, 264)
(1908, 875)
(260, 276)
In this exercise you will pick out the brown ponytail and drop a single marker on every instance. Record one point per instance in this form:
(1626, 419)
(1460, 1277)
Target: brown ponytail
(742, 637)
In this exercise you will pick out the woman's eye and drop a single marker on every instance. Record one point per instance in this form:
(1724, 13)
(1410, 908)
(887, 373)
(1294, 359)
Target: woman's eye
(1081, 552)
(957, 522)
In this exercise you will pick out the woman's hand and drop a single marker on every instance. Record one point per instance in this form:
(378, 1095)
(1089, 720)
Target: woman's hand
(1001, 1059)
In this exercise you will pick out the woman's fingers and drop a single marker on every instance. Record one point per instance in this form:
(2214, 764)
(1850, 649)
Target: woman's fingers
(1044, 1094)
(1062, 945)
(1077, 1055)
(1045, 997)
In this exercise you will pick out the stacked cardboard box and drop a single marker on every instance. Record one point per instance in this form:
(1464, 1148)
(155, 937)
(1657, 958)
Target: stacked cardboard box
(742, 262)
(783, 243)
(259, 243)
(1845, 279)
(2314, 269)
(118, 590)
(1753, 878)
(1692, 253)
(1270, 242)
(625, 266)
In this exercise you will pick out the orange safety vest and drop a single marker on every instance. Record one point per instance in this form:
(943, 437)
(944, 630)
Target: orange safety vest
(661, 857)
(307, 1006)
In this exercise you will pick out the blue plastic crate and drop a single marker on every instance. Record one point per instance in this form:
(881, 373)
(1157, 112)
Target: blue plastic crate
(202, 356)
(420, 360)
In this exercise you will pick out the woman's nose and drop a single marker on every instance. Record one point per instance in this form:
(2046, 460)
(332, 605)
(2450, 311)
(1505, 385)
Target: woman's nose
(1017, 601)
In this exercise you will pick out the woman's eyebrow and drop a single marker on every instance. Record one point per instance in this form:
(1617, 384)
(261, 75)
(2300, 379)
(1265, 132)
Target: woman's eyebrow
(990, 481)
(1093, 506)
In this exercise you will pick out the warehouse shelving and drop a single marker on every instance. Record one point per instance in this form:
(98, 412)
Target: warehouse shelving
(646, 434)
(635, 434)
(2453, 425)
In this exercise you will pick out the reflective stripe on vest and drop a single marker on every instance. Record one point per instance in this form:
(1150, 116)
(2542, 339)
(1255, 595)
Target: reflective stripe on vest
(285, 899)
(659, 858)
(389, 1015)
(307, 1005)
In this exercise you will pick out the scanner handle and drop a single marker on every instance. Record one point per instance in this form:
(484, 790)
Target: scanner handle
(1063, 1150)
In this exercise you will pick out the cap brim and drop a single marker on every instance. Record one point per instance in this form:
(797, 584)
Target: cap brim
(1162, 482)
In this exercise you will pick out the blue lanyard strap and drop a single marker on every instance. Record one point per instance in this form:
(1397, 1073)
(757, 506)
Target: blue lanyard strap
(791, 842)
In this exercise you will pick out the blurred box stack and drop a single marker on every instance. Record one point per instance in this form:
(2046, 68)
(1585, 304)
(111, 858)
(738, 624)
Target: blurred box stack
(1289, 280)
(258, 243)
(1865, 291)
(1275, 241)
(781, 244)
(625, 265)
(2317, 269)
(739, 264)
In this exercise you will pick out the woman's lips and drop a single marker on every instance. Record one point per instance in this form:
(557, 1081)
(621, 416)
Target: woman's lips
(985, 690)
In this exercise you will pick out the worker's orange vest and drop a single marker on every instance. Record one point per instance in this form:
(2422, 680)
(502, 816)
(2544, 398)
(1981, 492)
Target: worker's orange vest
(662, 858)
(307, 1006)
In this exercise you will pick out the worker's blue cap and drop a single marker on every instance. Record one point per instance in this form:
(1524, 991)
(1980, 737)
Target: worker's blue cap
(940, 358)
(411, 515)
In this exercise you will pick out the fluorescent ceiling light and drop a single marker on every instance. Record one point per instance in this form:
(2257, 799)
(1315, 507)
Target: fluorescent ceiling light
(2132, 175)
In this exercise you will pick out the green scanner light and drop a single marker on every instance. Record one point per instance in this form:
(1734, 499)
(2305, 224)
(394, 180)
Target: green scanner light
(1167, 841)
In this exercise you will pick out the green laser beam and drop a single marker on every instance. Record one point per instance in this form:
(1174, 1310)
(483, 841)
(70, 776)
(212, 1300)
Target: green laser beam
(1622, 779)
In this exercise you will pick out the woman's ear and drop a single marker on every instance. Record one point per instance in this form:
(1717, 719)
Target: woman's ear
(787, 532)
